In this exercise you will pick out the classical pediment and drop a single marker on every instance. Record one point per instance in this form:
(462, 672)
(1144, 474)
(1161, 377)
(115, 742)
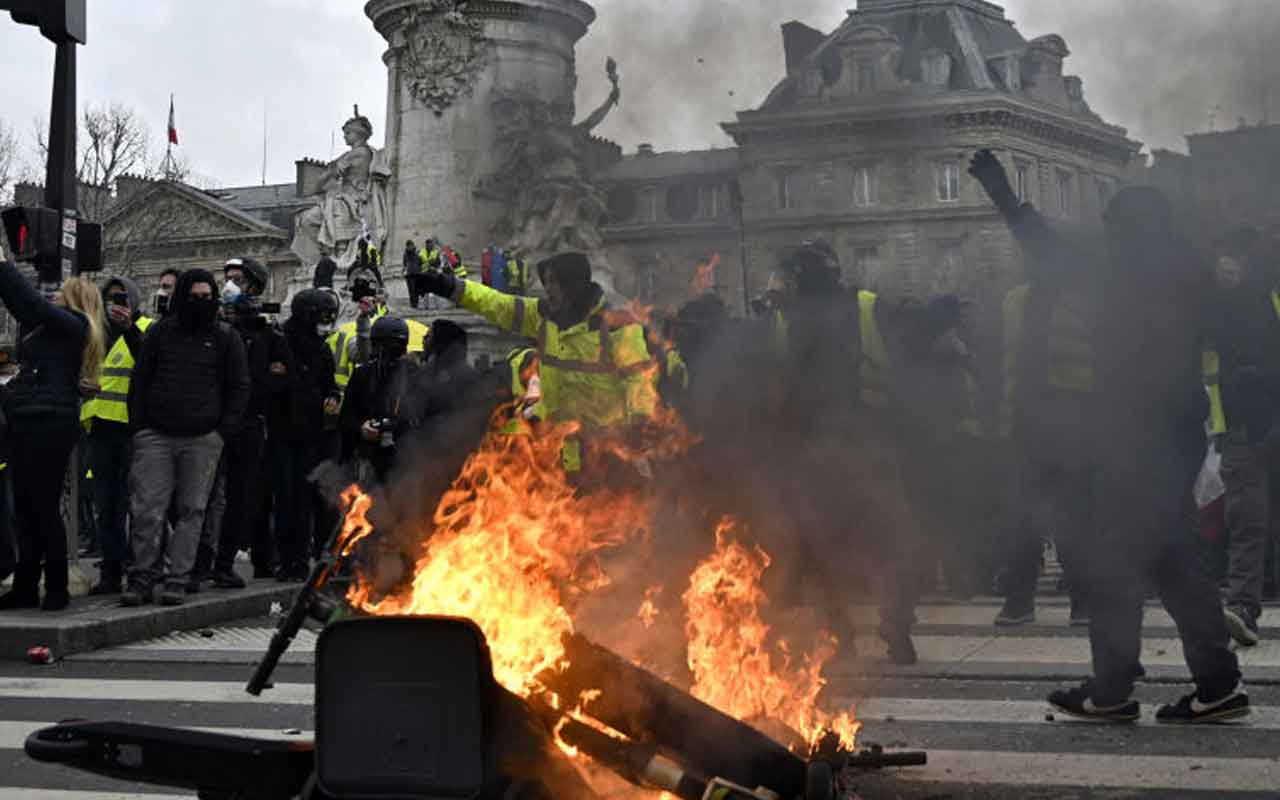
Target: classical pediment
(169, 212)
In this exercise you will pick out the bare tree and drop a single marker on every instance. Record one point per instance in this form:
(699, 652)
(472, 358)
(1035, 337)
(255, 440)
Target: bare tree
(8, 161)
(113, 142)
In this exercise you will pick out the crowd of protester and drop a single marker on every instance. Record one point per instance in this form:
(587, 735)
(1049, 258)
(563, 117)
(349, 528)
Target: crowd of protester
(205, 421)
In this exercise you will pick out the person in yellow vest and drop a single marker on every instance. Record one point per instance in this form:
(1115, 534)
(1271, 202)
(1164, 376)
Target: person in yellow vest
(350, 342)
(831, 414)
(1243, 377)
(1049, 377)
(517, 272)
(594, 365)
(106, 416)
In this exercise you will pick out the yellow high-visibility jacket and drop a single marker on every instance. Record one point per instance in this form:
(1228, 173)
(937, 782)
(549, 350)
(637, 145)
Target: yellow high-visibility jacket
(1070, 350)
(111, 403)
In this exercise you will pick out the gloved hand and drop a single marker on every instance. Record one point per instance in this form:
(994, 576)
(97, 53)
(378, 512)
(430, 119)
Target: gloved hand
(989, 172)
(438, 283)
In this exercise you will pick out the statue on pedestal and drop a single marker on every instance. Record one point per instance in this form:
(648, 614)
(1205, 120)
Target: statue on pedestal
(351, 202)
(551, 204)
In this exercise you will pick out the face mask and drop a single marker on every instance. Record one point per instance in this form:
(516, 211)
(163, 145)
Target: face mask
(198, 313)
(324, 329)
(230, 292)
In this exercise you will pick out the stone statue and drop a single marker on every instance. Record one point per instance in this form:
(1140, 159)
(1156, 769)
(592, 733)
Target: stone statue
(551, 204)
(351, 201)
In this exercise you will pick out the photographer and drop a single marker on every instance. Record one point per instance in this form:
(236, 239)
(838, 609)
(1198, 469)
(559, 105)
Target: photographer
(297, 418)
(350, 343)
(106, 416)
(244, 455)
(376, 413)
(61, 344)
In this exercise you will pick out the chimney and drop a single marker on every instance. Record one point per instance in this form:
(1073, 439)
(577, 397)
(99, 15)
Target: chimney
(309, 175)
(645, 150)
(798, 42)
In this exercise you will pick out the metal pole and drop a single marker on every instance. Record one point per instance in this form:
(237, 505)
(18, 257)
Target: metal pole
(60, 175)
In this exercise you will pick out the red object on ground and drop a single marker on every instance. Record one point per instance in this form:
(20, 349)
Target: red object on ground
(40, 655)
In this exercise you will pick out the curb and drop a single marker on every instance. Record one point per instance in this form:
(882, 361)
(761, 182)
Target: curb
(95, 623)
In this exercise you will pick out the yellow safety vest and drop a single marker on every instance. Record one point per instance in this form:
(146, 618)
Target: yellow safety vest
(430, 258)
(340, 344)
(1212, 365)
(111, 403)
(598, 372)
(518, 274)
(873, 360)
(1070, 348)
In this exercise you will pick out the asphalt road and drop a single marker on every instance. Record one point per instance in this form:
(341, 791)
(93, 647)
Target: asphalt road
(987, 734)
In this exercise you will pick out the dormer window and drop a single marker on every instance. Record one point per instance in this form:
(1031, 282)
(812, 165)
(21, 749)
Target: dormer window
(868, 77)
(935, 69)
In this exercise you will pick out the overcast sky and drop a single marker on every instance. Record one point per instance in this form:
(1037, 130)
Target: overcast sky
(1158, 67)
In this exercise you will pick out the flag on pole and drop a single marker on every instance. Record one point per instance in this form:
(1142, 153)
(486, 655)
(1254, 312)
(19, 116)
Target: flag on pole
(173, 123)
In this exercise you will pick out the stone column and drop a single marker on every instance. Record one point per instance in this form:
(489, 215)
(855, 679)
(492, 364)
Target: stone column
(448, 75)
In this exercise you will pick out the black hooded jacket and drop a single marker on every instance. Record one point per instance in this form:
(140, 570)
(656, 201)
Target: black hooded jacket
(298, 414)
(190, 382)
(46, 393)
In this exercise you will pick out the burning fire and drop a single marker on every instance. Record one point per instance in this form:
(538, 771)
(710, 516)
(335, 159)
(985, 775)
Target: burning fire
(734, 666)
(648, 612)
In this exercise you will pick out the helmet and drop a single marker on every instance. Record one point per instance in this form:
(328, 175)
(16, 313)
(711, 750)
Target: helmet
(313, 306)
(254, 272)
(390, 329)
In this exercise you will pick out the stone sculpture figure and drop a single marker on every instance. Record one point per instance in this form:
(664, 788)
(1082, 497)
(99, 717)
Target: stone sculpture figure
(551, 204)
(351, 201)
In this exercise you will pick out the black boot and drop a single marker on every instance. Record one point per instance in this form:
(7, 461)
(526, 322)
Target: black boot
(109, 579)
(26, 588)
(56, 596)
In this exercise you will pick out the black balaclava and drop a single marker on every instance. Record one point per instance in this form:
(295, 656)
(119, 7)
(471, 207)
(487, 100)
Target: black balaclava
(448, 343)
(195, 315)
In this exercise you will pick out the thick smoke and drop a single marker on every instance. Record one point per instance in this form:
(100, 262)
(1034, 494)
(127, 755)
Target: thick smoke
(1157, 67)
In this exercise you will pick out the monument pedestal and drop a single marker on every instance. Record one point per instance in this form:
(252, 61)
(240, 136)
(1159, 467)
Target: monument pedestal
(459, 85)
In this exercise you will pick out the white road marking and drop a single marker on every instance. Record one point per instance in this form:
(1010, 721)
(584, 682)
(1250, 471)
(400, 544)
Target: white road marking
(163, 691)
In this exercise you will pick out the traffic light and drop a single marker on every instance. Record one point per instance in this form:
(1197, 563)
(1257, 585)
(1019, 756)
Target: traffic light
(59, 20)
(32, 231)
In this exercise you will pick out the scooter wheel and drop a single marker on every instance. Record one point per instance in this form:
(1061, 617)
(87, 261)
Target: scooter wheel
(819, 781)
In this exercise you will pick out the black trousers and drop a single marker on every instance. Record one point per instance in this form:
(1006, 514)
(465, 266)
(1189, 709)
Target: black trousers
(8, 546)
(39, 469)
(243, 462)
(1146, 537)
(1050, 497)
(110, 455)
(292, 463)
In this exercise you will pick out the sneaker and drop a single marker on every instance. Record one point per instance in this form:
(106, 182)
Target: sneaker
(1079, 703)
(1243, 626)
(1191, 709)
(1012, 614)
(174, 594)
(228, 579)
(135, 595)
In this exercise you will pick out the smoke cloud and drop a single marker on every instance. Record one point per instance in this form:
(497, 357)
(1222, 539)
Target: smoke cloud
(1158, 67)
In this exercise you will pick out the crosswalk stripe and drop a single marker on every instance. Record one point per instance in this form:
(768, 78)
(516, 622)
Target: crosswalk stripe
(13, 733)
(1186, 773)
(1006, 712)
(1071, 650)
(15, 793)
(145, 690)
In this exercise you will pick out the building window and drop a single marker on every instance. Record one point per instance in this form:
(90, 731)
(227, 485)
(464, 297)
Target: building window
(784, 185)
(1106, 188)
(1022, 180)
(936, 69)
(623, 204)
(709, 201)
(1064, 192)
(950, 263)
(867, 77)
(949, 181)
(682, 203)
(866, 266)
(864, 187)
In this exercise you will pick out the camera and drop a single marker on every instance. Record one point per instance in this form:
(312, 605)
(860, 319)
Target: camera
(386, 428)
(362, 289)
(117, 300)
(248, 306)
(162, 305)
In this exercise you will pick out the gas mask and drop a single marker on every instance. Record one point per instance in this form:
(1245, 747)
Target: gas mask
(230, 292)
(325, 329)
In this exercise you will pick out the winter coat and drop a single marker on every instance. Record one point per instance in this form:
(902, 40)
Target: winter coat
(189, 383)
(45, 396)
(299, 412)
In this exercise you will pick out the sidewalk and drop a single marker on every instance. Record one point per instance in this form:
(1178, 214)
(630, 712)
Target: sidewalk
(92, 623)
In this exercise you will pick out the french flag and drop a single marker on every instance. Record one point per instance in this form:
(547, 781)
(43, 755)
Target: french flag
(173, 123)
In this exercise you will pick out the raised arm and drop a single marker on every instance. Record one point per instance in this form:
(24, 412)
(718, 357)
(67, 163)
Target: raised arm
(1049, 252)
(31, 309)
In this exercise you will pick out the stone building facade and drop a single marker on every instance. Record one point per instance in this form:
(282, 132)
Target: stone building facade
(865, 143)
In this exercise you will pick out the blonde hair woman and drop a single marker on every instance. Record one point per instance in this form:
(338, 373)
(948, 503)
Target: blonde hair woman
(61, 343)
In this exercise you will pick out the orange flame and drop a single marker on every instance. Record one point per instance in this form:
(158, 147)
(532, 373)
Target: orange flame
(648, 612)
(734, 666)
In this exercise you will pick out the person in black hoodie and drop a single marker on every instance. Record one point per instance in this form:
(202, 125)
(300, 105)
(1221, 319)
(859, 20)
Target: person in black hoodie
(378, 411)
(60, 353)
(188, 395)
(297, 424)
